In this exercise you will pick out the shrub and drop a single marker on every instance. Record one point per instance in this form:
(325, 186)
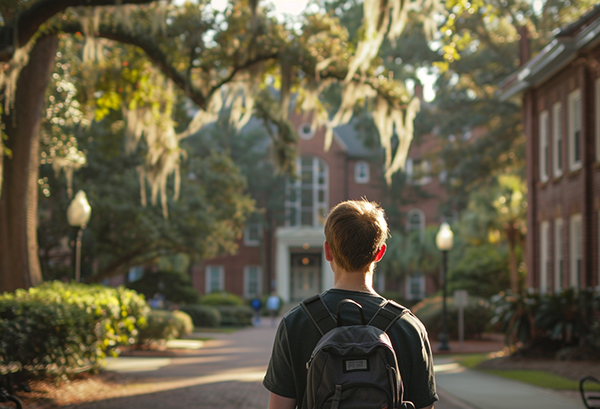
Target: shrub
(222, 299)
(175, 287)
(235, 315)
(163, 325)
(59, 328)
(514, 315)
(476, 316)
(202, 315)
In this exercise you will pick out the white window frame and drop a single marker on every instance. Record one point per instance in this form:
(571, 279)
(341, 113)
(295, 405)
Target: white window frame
(302, 131)
(362, 172)
(208, 276)
(544, 256)
(558, 256)
(422, 221)
(575, 251)
(557, 140)
(248, 240)
(597, 109)
(543, 145)
(420, 278)
(248, 271)
(319, 207)
(574, 125)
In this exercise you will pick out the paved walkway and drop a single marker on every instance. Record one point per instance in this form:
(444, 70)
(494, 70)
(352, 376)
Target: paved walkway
(227, 373)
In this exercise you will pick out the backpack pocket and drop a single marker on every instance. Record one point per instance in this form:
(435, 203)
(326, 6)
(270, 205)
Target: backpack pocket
(357, 396)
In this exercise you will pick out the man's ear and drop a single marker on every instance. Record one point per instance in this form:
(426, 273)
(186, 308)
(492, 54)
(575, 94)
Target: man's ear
(328, 252)
(380, 253)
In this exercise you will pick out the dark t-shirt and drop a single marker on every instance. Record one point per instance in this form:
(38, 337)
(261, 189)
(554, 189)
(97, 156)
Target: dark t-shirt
(297, 336)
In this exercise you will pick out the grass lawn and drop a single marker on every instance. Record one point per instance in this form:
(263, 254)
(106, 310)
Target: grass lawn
(542, 379)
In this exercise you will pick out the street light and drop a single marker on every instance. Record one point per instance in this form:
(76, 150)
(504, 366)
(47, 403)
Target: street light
(78, 214)
(444, 241)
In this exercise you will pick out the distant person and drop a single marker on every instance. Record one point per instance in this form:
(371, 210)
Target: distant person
(158, 301)
(273, 303)
(355, 236)
(256, 306)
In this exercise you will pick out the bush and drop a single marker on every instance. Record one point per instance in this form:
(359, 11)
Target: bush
(175, 287)
(235, 315)
(202, 315)
(476, 316)
(222, 299)
(163, 325)
(59, 328)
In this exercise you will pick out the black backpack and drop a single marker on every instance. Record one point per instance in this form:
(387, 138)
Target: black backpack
(353, 367)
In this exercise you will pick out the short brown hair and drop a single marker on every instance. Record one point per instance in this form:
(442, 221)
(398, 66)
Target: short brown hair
(355, 231)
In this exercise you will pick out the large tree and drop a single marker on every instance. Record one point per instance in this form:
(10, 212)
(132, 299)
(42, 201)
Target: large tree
(207, 55)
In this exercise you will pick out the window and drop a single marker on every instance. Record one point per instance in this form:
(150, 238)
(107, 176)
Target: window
(544, 256)
(543, 145)
(415, 289)
(557, 148)
(362, 172)
(252, 281)
(308, 196)
(252, 234)
(574, 121)
(558, 256)
(215, 279)
(306, 131)
(575, 251)
(415, 220)
(418, 171)
(597, 101)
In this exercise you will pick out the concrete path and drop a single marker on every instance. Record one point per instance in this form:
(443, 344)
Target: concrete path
(227, 373)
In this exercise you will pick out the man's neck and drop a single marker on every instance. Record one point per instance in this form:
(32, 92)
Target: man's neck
(354, 281)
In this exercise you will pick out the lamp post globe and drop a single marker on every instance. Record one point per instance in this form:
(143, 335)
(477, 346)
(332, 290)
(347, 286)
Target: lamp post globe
(444, 241)
(78, 215)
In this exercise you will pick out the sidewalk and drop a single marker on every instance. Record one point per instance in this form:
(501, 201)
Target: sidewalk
(227, 371)
(467, 389)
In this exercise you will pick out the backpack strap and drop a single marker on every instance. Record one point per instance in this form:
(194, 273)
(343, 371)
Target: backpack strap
(387, 315)
(319, 313)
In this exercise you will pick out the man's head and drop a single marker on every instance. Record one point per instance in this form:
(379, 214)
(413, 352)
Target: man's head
(356, 231)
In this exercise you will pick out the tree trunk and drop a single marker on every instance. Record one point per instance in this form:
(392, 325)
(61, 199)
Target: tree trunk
(19, 258)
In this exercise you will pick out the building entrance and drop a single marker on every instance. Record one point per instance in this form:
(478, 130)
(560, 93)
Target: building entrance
(306, 275)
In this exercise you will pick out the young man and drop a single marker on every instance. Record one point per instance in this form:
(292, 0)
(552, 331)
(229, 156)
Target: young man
(355, 234)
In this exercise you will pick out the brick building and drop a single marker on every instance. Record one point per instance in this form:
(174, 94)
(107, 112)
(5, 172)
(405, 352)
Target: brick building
(289, 257)
(560, 90)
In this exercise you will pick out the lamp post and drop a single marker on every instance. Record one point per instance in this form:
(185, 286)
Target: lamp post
(78, 214)
(444, 241)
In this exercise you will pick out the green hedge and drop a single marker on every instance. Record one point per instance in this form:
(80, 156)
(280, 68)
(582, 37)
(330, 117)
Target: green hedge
(477, 315)
(164, 325)
(221, 299)
(235, 316)
(203, 315)
(57, 328)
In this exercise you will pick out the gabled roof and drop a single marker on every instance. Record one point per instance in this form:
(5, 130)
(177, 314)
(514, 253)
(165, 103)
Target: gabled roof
(568, 42)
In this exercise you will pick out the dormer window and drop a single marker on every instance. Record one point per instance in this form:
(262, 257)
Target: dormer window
(362, 172)
(306, 131)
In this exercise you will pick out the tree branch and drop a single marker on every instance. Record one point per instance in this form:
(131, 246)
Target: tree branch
(28, 21)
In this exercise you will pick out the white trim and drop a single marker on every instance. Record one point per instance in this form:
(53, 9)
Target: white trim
(221, 278)
(248, 241)
(248, 270)
(575, 251)
(558, 255)
(544, 256)
(288, 237)
(557, 140)
(597, 124)
(574, 126)
(362, 175)
(419, 279)
(543, 145)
